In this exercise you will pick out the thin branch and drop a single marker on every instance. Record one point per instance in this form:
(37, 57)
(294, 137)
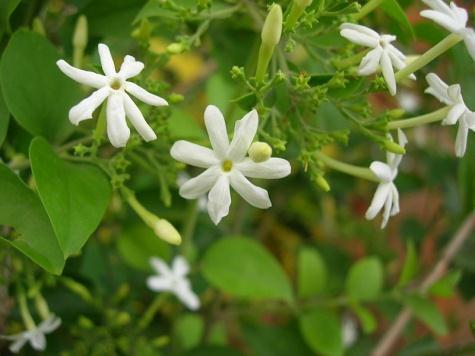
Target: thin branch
(392, 335)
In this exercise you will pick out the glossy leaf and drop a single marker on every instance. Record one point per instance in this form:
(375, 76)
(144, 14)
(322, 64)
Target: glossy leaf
(21, 209)
(365, 279)
(6, 9)
(37, 94)
(312, 273)
(75, 196)
(243, 268)
(321, 329)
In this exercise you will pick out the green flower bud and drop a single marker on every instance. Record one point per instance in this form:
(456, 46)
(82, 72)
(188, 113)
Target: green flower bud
(175, 48)
(272, 29)
(167, 232)
(175, 98)
(80, 32)
(393, 147)
(396, 113)
(303, 3)
(260, 152)
(322, 184)
(37, 26)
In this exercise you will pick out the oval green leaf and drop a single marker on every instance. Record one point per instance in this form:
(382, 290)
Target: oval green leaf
(312, 273)
(365, 279)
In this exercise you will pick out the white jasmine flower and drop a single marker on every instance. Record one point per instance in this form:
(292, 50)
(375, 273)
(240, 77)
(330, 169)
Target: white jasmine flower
(182, 178)
(382, 55)
(173, 280)
(452, 96)
(114, 87)
(226, 164)
(386, 194)
(36, 337)
(452, 18)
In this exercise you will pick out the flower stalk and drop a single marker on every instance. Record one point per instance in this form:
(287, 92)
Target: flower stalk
(79, 40)
(369, 7)
(419, 120)
(356, 171)
(24, 311)
(297, 9)
(441, 47)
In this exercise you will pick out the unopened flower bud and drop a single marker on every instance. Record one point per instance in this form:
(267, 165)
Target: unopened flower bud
(175, 98)
(175, 48)
(167, 232)
(80, 32)
(322, 184)
(303, 3)
(393, 147)
(78, 288)
(272, 28)
(37, 26)
(260, 152)
(396, 113)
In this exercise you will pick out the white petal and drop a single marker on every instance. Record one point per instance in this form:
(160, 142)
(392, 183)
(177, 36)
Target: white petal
(459, 14)
(201, 184)
(82, 76)
(244, 132)
(395, 208)
(438, 88)
(137, 119)
(107, 62)
(273, 168)
(469, 39)
(360, 38)
(159, 283)
(49, 325)
(454, 114)
(143, 95)
(193, 154)
(86, 107)
(216, 127)
(438, 5)
(461, 140)
(369, 64)
(130, 68)
(180, 266)
(117, 129)
(219, 199)
(402, 138)
(388, 72)
(455, 93)
(443, 20)
(387, 207)
(361, 29)
(254, 195)
(38, 341)
(382, 170)
(18, 344)
(160, 266)
(186, 295)
(379, 198)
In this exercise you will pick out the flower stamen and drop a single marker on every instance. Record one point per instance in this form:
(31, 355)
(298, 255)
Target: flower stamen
(227, 165)
(116, 84)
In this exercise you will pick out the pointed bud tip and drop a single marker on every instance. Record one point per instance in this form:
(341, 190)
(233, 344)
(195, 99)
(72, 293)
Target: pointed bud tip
(272, 29)
(167, 232)
(393, 147)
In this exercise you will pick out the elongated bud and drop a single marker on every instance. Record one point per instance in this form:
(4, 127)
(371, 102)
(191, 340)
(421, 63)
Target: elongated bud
(322, 184)
(78, 288)
(167, 232)
(175, 48)
(37, 26)
(260, 152)
(272, 29)
(297, 9)
(396, 113)
(393, 147)
(80, 32)
(42, 306)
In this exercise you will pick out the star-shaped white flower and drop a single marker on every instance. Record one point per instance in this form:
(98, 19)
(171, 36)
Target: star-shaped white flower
(173, 280)
(226, 164)
(452, 18)
(386, 194)
(452, 96)
(382, 55)
(36, 337)
(114, 87)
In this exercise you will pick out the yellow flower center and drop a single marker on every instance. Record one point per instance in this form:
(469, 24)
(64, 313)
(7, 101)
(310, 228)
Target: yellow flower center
(227, 165)
(115, 84)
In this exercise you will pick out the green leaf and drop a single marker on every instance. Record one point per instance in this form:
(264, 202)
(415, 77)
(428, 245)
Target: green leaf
(219, 91)
(365, 279)
(428, 313)
(37, 94)
(394, 10)
(445, 287)
(321, 329)
(75, 196)
(409, 270)
(367, 320)
(212, 351)
(188, 331)
(312, 273)
(182, 125)
(4, 118)
(136, 244)
(21, 209)
(6, 9)
(246, 102)
(243, 268)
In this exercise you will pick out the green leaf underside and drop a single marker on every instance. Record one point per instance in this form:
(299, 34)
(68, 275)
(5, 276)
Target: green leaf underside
(75, 196)
(21, 209)
(37, 94)
(243, 268)
(321, 329)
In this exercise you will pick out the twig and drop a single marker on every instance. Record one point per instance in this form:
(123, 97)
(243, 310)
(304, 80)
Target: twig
(392, 335)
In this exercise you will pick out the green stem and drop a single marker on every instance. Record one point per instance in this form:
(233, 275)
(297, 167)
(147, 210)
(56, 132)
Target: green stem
(265, 55)
(294, 14)
(149, 218)
(350, 61)
(42, 306)
(24, 311)
(369, 7)
(356, 171)
(151, 311)
(419, 120)
(441, 47)
(189, 229)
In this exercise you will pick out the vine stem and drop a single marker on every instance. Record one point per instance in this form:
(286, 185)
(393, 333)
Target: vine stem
(392, 335)
(420, 120)
(369, 7)
(356, 171)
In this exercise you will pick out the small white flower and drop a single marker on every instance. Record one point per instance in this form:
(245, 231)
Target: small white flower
(386, 194)
(349, 330)
(184, 177)
(226, 164)
(36, 337)
(452, 96)
(114, 87)
(173, 280)
(382, 55)
(452, 18)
